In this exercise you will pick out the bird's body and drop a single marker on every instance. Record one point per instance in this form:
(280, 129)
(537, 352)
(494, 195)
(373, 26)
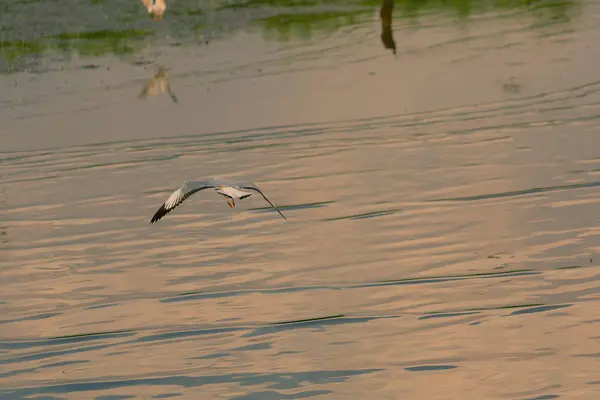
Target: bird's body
(232, 194)
(231, 190)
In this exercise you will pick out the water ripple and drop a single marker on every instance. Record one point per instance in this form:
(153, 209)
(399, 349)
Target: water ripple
(441, 198)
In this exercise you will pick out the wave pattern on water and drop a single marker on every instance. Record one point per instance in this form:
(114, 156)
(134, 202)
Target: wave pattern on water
(457, 244)
(212, 284)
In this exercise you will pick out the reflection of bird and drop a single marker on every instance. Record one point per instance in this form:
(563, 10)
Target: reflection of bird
(512, 87)
(156, 8)
(158, 84)
(231, 190)
(387, 36)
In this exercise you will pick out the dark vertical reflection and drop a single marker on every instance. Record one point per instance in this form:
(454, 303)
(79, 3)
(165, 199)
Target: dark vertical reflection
(157, 85)
(3, 228)
(387, 36)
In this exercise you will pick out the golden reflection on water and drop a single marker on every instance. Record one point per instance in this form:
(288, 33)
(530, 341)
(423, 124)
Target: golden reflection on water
(449, 243)
(157, 85)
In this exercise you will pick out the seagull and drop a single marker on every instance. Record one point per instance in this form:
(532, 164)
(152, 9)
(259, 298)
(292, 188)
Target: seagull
(231, 190)
(156, 8)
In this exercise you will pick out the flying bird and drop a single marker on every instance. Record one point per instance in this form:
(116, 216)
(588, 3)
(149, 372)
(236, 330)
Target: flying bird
(229, 189)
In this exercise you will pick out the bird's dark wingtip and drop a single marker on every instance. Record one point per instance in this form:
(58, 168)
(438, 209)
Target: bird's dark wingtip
(283, 216)
(159, 214)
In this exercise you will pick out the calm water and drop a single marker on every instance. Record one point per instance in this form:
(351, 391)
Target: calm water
(439, 163)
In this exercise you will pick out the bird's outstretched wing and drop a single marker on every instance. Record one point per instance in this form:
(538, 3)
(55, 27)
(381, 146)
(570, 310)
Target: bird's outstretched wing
(177, 197)
(251, 186)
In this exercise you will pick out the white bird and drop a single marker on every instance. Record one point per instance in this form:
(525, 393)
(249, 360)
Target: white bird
(229, 189)
(156, 8)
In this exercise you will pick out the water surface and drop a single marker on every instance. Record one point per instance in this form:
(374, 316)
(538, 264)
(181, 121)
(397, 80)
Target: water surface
(438, 162)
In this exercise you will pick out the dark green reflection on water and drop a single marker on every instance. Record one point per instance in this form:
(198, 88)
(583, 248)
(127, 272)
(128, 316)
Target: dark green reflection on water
(305, 19)
(123, 27)
(94, 43)
(102, 42)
